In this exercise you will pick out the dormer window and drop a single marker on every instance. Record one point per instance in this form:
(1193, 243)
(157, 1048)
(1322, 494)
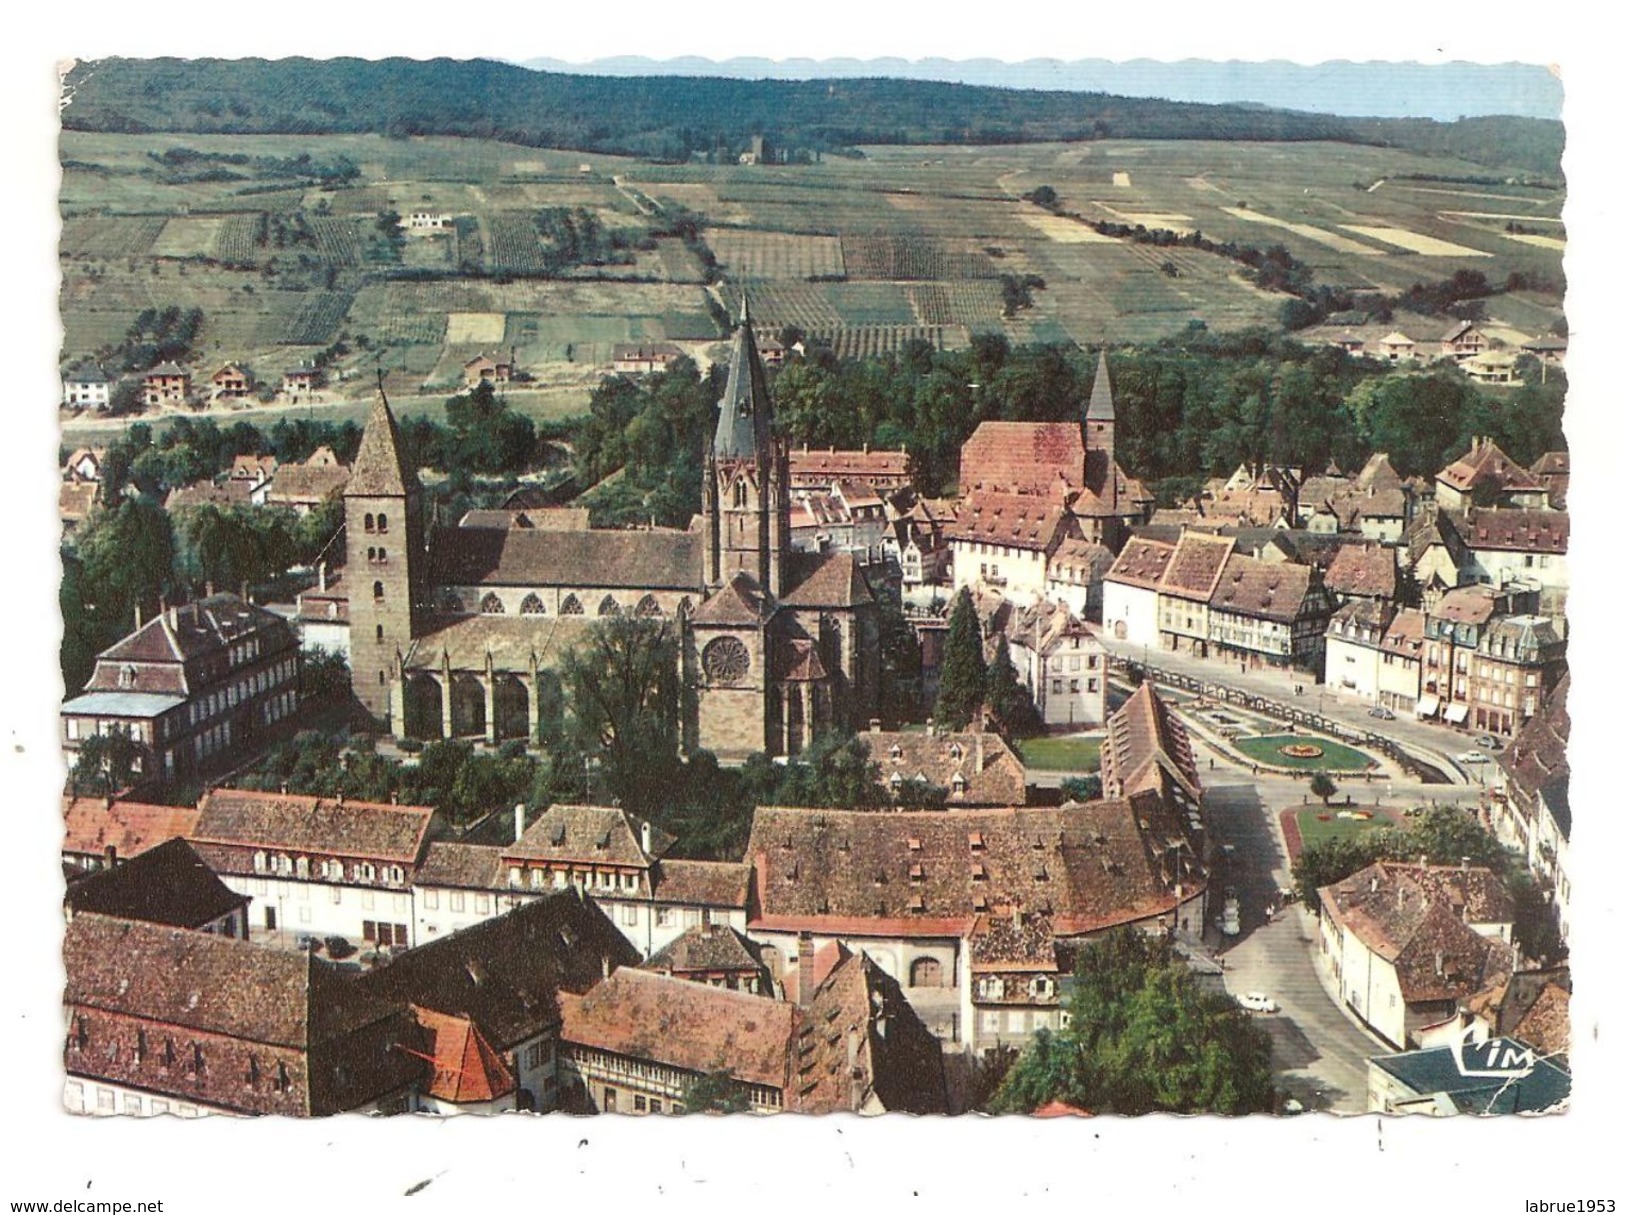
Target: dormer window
(913, 843)
(896, 751)
(976, 841)
(916, 873)
(978, 872)
(126, 677)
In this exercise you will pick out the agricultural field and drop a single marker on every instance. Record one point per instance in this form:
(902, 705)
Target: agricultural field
(866, 253)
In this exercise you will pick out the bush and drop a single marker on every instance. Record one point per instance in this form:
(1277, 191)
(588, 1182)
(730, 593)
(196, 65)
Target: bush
(410, 745)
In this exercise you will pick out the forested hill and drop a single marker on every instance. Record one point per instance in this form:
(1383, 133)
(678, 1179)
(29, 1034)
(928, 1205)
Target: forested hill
(669, 117)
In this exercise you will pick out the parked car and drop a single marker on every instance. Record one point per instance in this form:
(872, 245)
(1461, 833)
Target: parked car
(1473, 757)
(1230, 918)
(1291, 1106)
(1258, 1002)
(1381, 713)
(1488, 742)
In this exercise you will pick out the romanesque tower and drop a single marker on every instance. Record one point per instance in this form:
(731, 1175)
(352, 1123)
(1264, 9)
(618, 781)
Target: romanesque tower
(746, 494)
(385, 565)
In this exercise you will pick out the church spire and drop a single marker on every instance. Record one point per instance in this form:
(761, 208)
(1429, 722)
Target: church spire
(745, 417)
(1101, 408)
(378, 467)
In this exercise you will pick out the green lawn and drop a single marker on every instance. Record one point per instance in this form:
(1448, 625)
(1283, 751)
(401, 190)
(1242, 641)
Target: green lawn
(1336, 757)
(1314, 831)
(1061, 754)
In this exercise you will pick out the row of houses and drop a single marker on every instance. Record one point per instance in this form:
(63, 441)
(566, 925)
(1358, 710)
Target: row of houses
(938, 900)
(87, 386)
(1475, 656)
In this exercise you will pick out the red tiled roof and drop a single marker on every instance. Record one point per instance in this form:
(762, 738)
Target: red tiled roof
(467, 1069)
(825, 580)
(1030, 456)
(1270, 590)
(1195, 566)
(372, 830)
(1024, 521)
(1521, 531)
(1142, 563)
(94, 824)
(689, 1026)
(1369, 570)
(1485, 462)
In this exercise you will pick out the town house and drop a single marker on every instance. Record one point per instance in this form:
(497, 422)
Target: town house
(160, 1020)
(973, 767)
(232, 382)
(1486, 476)
(716, 955)
(1270, 613)
(199, 687)
(1409, 945)
(1076, 577)
(1518, 662)
(168, 884)
(599, 850)
(1531, 806)
(1129, 607)
(1354, 648)
(317, 866)
(638, 1041)
(1186, 589)
(491, 995)
(1525, 546)
(99, 832)
(1399, 672)
(820, 468)
(1061, 662)
(86, 387)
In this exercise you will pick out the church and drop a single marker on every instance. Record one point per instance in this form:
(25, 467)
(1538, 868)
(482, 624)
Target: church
(456, 629)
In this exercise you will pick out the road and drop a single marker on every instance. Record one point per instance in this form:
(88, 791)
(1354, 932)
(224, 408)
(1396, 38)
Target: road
(1425, 740)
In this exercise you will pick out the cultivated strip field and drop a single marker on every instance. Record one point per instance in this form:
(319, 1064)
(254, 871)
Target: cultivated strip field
(1416, 242)
(1320, 235)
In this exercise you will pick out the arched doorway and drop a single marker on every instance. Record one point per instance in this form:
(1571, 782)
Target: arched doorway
(925, 972)
(512, 707)
(467, 706)
(422, 706)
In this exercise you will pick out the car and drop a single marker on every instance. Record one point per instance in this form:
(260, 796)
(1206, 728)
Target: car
(1473, 757)
(1258, 1002)
(1230, 918)
(1291, 1106)
(1381, 713)
(1488, 742)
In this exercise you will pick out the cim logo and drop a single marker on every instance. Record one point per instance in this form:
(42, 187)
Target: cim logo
(1497, 1059)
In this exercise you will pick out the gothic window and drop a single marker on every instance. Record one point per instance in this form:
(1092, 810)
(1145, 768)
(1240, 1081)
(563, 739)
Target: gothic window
(491, 605)
(372, 553)
(383, 522)
(648, 607)
(571, 607)
(726, 660)
(608, 607)
(377, 590)
(368, 522)
(532, 606)
(740, 493)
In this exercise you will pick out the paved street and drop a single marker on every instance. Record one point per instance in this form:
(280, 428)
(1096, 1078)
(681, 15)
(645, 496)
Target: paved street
(1425, 739)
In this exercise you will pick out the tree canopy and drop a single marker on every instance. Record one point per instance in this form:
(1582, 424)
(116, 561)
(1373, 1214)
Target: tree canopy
(1143, 1038)
(962, 686)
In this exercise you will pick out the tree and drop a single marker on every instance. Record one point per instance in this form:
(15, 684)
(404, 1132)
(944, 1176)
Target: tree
(1323, 787)
(624, 695)
(963, 683)
(106, 764)
(1143, 1038)
(1008, 699)
(715, 1093)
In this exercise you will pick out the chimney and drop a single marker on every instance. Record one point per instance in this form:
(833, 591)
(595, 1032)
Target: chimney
(518, 821)
(604, 960)
(705, 919)
(174, 618)
(804, 970)
(1438, 961)
(208, 590)
(874, 724)
(138, 617)
(1015, 916)
(110, 855)
(646, 838)
(980, 757)
(321, 576)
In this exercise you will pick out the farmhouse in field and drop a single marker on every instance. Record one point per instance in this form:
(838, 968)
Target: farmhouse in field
(301, 380)
(486, 369)
(461, 639)
(232, 382)
(643, 358)
(1462, 341)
